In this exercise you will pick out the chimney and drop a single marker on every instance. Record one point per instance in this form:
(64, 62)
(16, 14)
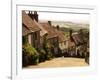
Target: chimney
(35, 15)
(30, 14)
(49, 22)
(57, 27)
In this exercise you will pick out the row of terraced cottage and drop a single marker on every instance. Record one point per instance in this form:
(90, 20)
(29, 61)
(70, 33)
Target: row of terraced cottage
(43, 35)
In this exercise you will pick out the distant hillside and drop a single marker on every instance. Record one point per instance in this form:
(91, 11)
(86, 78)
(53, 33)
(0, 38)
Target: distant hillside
(77, 26)
(64, 29)
(66, 26)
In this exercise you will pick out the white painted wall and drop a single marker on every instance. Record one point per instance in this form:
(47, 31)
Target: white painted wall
(63, 45)
(30, 39)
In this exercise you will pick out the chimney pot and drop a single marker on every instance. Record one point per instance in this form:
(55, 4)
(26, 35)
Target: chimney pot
(35, 16)
(49, 22)
(29, 12)
(57, 27)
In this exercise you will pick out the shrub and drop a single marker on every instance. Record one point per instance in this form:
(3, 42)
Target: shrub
(49, 45)
(49, 54)
(25, 59)
(31, 53)
(42, 55)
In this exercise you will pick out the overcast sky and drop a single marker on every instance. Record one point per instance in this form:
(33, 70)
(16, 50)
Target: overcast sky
(78, 18)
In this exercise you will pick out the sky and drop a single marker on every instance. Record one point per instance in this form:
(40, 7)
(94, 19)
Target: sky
(77, 18)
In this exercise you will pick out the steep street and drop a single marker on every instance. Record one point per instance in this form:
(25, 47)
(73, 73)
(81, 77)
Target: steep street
(61, 62)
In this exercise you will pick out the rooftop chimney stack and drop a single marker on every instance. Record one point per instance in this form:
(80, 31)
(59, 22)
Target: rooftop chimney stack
(30, 14)
(49, 22)
(57, 27)
(35, 15)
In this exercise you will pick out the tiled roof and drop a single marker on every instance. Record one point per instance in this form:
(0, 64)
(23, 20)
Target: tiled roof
(78, 39)
(28, 22)
(70, 43)
(50, 30)
(43, 31)
(25, 31)
(60, 35)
